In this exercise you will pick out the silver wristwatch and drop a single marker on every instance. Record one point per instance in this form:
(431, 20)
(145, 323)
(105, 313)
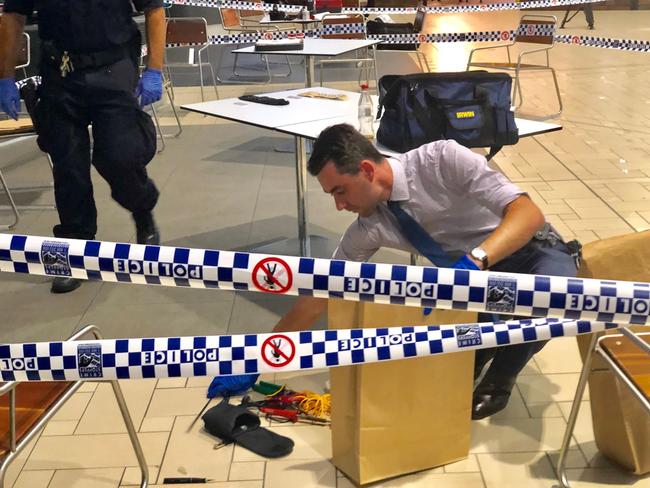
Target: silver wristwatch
(479, 254)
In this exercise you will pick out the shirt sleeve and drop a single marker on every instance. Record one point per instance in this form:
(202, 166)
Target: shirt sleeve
(359, 243)
(467, 172)
(22, 7)
(142, 5)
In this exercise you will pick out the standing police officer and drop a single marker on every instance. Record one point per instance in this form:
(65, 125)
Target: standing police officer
(90, 76)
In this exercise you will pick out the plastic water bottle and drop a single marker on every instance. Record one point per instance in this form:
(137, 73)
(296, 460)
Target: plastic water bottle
(366, 115)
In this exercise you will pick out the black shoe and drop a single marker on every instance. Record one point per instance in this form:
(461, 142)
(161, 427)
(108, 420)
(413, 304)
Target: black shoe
(146, 230)
(490, 398)
(591, 27)
(64, 284)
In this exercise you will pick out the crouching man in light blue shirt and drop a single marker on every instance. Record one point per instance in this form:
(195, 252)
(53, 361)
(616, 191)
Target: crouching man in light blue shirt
(445, 192)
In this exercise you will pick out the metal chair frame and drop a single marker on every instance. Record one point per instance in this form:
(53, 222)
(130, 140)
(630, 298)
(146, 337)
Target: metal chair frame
(24, 54)
(168, 86)
(370, 59)
(249, 25)
(17, 445)
(423, 62)
(203, 48)
(518, 67)
(595, 347)
(15, 208)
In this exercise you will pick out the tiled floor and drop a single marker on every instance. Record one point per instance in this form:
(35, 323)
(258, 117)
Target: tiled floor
(222, 187)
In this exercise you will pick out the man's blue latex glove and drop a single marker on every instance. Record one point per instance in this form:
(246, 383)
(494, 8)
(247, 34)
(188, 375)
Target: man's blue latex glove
(466, 263)
(9, 97)
(150, 87)
(231, 385)
(463, 263)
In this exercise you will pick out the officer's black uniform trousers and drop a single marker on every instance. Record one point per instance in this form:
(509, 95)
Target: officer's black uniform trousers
(536, 257)
(102, 97)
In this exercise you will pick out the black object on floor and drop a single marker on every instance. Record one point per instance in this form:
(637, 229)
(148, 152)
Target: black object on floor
(264, 100)
(63, 284)
(235, 424)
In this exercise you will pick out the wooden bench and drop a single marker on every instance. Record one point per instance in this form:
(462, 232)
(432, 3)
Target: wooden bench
(26, 407)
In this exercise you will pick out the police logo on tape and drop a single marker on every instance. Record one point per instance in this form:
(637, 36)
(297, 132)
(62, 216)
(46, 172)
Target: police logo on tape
(501, 294)
(55, 258)
(89, 360)
(468, 335)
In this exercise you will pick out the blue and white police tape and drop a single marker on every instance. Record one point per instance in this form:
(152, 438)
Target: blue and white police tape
(418, 286)
(265, 7)
(439, 37)
(169, 357)
(605, 42)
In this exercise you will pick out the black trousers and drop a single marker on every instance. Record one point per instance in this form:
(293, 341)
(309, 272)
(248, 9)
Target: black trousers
(123, 141)
(537, 257)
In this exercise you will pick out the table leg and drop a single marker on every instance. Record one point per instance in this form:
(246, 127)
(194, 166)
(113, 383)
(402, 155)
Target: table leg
(301, 191)
(309, 71)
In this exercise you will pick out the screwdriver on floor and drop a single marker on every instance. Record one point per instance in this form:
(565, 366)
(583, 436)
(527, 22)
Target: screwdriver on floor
(179, 481)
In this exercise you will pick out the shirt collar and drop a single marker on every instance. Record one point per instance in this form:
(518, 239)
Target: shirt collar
(400, 190)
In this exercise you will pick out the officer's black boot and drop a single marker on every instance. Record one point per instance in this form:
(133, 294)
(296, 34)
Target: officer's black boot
(493, 392)
(146, 230)
(64, 284)
(491, 396)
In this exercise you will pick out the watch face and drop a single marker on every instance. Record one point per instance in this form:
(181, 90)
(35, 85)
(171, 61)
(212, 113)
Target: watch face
(479, 254)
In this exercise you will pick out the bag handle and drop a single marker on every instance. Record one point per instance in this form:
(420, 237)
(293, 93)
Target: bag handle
(421, 113)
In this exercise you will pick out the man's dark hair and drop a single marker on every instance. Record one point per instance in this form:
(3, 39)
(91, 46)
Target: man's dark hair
(345, 147)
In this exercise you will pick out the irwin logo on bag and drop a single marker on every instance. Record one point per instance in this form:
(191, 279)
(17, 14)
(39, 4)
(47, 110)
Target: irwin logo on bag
(470, 114)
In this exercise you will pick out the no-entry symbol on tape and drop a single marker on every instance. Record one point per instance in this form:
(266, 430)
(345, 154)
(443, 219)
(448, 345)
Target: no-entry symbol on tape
(272, 275)
(278, 350)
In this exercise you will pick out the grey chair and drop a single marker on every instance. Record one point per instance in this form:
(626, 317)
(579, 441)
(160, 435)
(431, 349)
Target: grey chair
(526, 36)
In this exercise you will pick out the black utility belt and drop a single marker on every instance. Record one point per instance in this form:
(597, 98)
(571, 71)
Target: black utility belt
(547, 234)
(68, 62)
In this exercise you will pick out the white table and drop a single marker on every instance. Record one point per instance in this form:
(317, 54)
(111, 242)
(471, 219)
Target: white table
(311, 129)
(316, 47)
(304, 119)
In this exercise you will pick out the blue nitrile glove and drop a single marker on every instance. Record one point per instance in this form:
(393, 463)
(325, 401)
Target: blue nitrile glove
(466, 263)
(150, 87)
(463, 263)
(231, 385)
(9, 97)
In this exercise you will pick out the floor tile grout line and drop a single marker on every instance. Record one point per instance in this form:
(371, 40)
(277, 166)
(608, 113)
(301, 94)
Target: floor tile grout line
(587, 186)
(601, 126)
(480, 470)
(146, 410)
(92, 395)
(162, 459)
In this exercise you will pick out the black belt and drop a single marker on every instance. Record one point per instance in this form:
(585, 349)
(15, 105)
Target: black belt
(549, 234)
(67, 61)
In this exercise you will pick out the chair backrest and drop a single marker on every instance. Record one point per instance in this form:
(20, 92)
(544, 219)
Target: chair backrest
(24, 58)
(229, 18)
(356, 29)
(187, 30)
(418, 23)
(537, 29)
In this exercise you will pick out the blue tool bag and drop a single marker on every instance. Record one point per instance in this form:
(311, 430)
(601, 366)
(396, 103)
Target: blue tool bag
(471, 107)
